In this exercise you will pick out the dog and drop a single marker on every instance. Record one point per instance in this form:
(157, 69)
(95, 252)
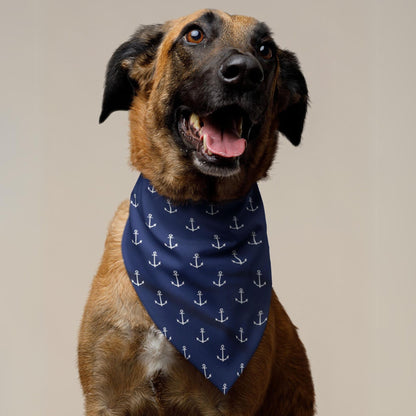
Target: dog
(224, 73)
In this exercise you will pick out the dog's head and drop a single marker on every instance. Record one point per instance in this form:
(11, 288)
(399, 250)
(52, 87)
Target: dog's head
(207, 95)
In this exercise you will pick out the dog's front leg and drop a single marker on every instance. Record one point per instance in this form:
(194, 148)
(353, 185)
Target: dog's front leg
(114, 378)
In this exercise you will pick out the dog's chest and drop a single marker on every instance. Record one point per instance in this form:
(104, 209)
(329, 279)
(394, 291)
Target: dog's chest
(157, 354)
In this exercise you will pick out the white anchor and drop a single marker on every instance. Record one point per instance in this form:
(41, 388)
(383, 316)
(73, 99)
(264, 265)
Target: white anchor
(192, 228)
(199, 302)
(241, 370)
(196, 264)
(136, 282)
(236, 226)
(149, 224)
(259, 283)
(240, 338)
(223, 357)
(177, 283)
(219, 283)
(222, 319)
(237, 259)
(184, 353)
(260, 322)
(241, 300)
(204, 367)
(253, 242)
(211, 210)
(160, 303)
(136, 242)
(250, 205)
(224, 387)
(170, 245)
(203, 340)
(218, 245)
(151, 189)
(154, 264)
(135, 203)
(182, 322)
(170, 210)
(165, 333)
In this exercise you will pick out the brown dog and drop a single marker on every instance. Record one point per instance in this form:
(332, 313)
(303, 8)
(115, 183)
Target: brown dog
(172, 77)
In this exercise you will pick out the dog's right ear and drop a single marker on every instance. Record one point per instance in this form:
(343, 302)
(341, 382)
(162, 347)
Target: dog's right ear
(120, 87)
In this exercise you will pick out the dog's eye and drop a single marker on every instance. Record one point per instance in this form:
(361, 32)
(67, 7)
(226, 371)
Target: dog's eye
(195, 36)
(266, 51)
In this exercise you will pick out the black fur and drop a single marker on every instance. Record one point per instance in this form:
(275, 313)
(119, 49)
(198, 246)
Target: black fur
(292, 97)
(119, 87)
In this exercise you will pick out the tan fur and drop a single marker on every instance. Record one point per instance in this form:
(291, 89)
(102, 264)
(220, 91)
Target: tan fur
(126, 366)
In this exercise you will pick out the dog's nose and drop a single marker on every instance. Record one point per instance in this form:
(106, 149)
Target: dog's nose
(242, 71)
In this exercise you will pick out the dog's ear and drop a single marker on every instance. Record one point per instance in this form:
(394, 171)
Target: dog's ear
(120, 87)
(292, 99)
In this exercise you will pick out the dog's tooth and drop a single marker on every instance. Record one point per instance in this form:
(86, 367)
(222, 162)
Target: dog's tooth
(194, 119)
(205, 146)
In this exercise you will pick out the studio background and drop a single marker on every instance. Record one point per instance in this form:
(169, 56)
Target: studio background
(340, 207)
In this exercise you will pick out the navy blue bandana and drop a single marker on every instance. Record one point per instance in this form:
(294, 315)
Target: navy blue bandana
(202, 271)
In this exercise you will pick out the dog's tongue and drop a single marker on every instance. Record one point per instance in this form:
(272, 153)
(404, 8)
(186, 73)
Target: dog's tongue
(223, 140)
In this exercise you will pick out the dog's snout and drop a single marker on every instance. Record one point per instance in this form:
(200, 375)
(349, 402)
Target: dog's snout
(242, 71)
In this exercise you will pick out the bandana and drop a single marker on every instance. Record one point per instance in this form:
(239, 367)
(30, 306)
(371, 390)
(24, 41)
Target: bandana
(202, 271)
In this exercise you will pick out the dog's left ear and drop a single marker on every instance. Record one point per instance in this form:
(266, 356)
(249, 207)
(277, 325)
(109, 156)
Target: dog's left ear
(292, 97)
(136, 54)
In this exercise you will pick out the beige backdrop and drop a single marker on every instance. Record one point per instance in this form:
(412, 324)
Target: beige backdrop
(340, 208)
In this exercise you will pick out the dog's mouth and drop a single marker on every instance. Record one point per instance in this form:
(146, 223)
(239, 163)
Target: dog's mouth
(217, 140)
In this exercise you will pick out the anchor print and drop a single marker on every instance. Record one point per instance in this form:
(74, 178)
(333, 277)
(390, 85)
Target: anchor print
(224, 388)
(136, 242)
(154, 264)
(260, 322)
(259, 283)
(196, 265)
(136, 282)
(254, 242)
(250, 205)
(223, 356)
(184, 353)
(165, 333)
(182, 321)
(170, 210)
(176, 282)
(170, 245)
(199, 302)
(241, 300)
(159, 295)
(219, 283)
(192, 227)
(240, 337)
(151, 189)
(134, 203)
(241, 370)
(235, 226)
(204, 368)
(202, 340)
(222, 319)
(211, 211)
(149, 223)
(237, 259)
(218, 245)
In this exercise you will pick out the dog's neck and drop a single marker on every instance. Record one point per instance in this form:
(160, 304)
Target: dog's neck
(194, 186)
